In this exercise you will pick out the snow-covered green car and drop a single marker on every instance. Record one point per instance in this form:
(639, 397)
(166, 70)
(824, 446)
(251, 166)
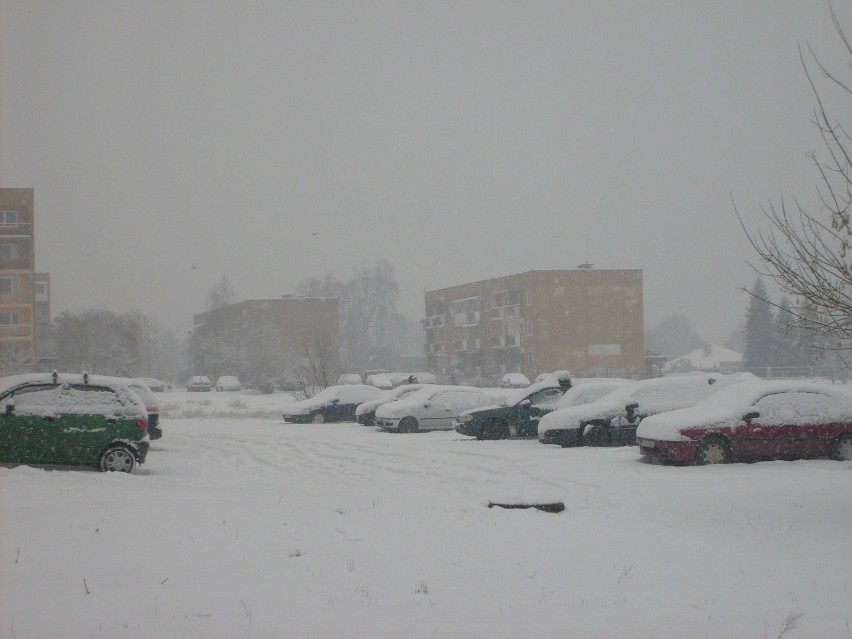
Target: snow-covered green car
(517, 416)
(71, 420)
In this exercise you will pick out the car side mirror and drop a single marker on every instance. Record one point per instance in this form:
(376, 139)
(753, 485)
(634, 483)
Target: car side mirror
(752, 415)
(525, 404)
(427, 405)
(335, 401)
(631, 407)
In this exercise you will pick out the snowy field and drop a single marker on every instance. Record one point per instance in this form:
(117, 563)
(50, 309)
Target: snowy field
(242, 526)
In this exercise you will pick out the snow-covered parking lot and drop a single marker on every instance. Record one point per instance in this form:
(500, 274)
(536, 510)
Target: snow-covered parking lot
(241, 525)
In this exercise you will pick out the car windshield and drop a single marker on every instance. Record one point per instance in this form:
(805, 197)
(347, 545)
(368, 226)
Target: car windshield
(521, 394)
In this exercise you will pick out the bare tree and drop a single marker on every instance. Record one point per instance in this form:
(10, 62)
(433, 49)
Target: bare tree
(370, 326)
(808, 254)
(221, 295)
(317, 363)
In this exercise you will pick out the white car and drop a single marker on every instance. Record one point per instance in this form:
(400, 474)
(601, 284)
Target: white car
(430, 408)
(228, 383)
(612, 419)
(514, 380)
(379, 380)
(365, 414)
(586, 391)
(199, 384)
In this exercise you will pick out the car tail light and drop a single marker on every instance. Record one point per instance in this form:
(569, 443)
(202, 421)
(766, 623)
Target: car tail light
(142, 424)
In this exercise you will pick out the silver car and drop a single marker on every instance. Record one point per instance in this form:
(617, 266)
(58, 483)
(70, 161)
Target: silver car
(430, 408)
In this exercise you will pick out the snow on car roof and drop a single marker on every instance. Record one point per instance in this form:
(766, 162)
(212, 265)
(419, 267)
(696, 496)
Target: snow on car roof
(588, 392)
(127, 393)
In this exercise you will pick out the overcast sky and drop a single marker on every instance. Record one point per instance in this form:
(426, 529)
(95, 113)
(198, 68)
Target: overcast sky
(173, 142)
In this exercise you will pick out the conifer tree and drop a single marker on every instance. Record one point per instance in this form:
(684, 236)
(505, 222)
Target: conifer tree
(760, 330)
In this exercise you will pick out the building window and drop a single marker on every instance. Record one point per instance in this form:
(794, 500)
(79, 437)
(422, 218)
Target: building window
(8, 252)
(8, 218)
(604, 350)
(9, 318)
(529, 327)
(9, 286)
(528, 296)
(466, 312)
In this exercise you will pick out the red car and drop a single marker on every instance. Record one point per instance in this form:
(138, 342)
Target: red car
(754, 420)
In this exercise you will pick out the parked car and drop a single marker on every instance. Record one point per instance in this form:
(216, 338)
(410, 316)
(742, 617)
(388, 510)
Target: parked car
(751, 421)
(543, 377)
(146, 394)
(518, 416)
(365, 414)
(332, 404)
(430, 408)
(585, 391)
(514, 380)
(423, 377)
(379, 380)
(228, 383)
(612, 419)
(154, 384)
(69, 419)
(349, 378)
(199, 383)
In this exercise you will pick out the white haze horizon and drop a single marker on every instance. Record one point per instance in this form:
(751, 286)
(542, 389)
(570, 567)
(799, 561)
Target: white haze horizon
(170, 144)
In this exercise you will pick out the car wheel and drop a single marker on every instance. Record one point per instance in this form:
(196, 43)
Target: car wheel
(713, 450)
(841, 450)
(117, 458)
(318, 418)
(494, 429)
(408, 425)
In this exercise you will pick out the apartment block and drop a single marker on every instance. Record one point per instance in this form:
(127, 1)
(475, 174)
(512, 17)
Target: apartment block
(261, 340)
(17, 277)
(588, 321)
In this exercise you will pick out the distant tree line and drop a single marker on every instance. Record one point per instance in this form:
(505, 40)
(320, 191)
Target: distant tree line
(103, 342)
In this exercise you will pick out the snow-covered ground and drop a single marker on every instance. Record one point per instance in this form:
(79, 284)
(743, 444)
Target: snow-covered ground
(242, 526)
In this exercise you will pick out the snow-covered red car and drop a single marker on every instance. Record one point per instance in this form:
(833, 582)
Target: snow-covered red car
(754, 420)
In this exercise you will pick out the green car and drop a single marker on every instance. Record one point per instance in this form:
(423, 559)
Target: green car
(64, 419)
(516, 417)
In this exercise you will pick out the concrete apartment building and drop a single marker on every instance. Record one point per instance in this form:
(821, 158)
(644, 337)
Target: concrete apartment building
(17, 281)
(260, 340)
(585, 320)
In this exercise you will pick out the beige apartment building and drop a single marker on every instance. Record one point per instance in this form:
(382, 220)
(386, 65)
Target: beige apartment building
(585, 320)
(17, 277)
(268, 340)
